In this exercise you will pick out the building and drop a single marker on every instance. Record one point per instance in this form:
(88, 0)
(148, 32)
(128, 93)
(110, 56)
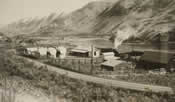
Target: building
(105, 49)
(109, 56)
(157, 59)
(124, 49)
(51, 52)
(107, 52)
(61, 52)
(110, 65)
(104, 46)
(95, 53)
(29, 52)
(163, 55)
(79, 53)
(57, 52)
(85, 52)
(42, 51)
(21, 50)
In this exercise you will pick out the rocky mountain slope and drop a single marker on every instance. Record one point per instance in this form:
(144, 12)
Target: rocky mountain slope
(143, 19)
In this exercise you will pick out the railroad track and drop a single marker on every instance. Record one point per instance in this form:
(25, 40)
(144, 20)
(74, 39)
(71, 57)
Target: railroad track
(107, 82)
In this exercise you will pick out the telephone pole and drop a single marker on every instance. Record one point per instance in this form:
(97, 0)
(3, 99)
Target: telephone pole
(92, 62)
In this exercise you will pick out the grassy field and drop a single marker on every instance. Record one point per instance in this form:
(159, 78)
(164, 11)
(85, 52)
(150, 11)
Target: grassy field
(70, 89)
(73, 90)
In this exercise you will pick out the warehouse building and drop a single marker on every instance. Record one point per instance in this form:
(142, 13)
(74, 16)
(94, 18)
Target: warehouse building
(79, 53)
(157, 59)
(85, 52)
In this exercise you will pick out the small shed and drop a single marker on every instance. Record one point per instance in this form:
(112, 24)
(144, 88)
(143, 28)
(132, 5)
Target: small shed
(110, 65)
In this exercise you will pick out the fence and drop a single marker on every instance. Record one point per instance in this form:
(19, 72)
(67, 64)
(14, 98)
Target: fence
(82, 65)
(7, 92)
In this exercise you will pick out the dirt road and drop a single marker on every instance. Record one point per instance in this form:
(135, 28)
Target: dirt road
(107, 82)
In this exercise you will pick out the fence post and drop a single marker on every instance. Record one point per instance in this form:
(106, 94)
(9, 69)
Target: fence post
(86, 61)
(5, 89)
(80, 96)
(54, 61)
(2, 97)
(72, 64)
(59, 61)
(79, 62)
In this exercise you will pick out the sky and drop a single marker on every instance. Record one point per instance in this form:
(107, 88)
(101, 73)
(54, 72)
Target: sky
(13, 10)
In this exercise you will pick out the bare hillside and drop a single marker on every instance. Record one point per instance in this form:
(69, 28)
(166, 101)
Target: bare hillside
(143, 19)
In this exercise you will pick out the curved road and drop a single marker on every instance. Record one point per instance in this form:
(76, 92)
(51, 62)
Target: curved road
(107, 82)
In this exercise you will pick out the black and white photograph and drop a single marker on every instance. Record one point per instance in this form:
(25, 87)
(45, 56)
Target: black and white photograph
(87, 50)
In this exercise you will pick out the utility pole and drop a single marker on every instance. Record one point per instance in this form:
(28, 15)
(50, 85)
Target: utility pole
(92, 62)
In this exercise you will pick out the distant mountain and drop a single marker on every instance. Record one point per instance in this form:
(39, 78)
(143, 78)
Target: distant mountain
(143, 19)
(4, 38)
(32, 25)
(79, 21)
(84, 19)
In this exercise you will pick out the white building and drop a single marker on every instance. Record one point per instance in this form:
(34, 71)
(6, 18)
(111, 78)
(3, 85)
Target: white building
(109, 56)
(52, 51)
(42, 51)
(30, 50)
(48, 51)
(62, 51)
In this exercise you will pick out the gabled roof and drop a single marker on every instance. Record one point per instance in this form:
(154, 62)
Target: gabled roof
(108, 54)
(112, 63)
